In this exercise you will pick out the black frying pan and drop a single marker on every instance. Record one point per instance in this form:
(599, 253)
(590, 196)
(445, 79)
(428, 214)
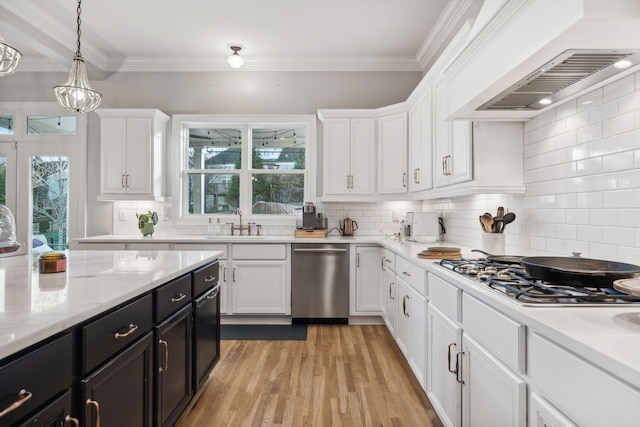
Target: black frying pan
(505, 259)
(577, 271)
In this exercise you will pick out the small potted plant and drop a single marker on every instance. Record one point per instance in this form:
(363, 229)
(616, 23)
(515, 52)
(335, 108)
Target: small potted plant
(146, 223)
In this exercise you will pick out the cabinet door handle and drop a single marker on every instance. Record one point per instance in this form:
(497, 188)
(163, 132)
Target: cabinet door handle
(458, 370)
(404, 179)
(390, 291)
(225, 274)
(178, 297)
(406, 274)
(132, 329)
(404, 305)
(444, 159)
(351, 181)
(348, 181)
(70, 420)
(453, 344)
(419, 175)
(382, 263)
(127, 180)
(23, 396)
(357, 260)
(95, 404)
(122, 181)
(166, 355)
(209, 279)
(234, 274)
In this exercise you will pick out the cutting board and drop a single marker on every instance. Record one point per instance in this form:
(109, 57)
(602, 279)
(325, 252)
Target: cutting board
(440, 252)
(310, 233)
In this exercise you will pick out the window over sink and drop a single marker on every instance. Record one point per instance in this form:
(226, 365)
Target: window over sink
(261, 165)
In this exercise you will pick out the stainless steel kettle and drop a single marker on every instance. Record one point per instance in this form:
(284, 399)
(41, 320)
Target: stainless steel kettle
(348, 226)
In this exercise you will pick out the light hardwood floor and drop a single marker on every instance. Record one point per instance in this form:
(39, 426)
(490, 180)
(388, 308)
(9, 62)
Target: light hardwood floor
(340, 376)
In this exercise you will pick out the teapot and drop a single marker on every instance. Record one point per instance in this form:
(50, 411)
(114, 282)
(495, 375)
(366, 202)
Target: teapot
(348, 226)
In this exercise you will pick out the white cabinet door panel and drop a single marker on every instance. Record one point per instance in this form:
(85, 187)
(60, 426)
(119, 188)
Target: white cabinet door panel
(367, 280)
(113, 146)
(259, 287)
(392, 171)
(362, 155)
(336, 141)
(403, 335)
(140, 156)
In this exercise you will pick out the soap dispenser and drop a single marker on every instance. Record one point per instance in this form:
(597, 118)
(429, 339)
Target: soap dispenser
(210, 228)
(218, 228)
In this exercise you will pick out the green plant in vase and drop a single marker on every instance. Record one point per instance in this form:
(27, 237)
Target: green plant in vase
(146, 222)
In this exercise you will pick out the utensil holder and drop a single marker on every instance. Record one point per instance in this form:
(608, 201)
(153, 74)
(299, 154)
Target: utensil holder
(493, 243)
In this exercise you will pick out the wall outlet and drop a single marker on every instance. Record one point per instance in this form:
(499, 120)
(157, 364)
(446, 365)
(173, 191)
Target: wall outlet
(122, 215)
(396, 216)
(166, 213)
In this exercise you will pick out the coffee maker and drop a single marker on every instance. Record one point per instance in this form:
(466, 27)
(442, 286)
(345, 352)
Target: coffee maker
(308, 219)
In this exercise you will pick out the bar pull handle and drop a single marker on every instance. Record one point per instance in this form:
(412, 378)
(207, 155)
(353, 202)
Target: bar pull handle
(390, 291)
(23, 396)
(404, 179)
(225, 274)
(454, 371)
(122, 181)
(70, 420)
(209, 279)
(406, 274)
(404, 305)
(458, 371)
(132, 329)
(178, 297)
(234, 274)
(382, 263)
(95, 404)
(348, 181)
(419, 175)
(166, 356)
(358, 261)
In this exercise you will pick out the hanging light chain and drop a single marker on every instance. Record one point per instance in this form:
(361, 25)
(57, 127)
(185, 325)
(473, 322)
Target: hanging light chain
(79, 11)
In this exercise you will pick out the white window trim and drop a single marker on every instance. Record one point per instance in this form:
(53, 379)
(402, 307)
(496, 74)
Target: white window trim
(179, 125)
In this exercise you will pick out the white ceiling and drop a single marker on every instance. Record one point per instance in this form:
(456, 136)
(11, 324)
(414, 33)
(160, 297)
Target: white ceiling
(193, 35)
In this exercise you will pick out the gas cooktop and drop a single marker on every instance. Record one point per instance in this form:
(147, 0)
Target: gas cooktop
(513, 282)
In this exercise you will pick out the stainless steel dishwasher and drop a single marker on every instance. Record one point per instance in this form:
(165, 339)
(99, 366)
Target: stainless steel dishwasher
(320, 283)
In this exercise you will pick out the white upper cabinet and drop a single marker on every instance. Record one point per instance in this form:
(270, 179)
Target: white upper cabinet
(392, 172)
(349, 150)
(420, 144)
(132, 153)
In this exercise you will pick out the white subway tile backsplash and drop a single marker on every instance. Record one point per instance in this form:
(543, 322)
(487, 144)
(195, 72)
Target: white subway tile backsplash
(601, 251)
(603, 217)
(591, 200)
(629, 102)
(604, 111)
(566, 231)
(547, 117)
(567, 109)
(607, 181)
(577, 120)
(619, 124)
(619, 88)
(628, 217)
(623, 236)
(566, 139)
(577, 216)
(566, 170)
(589, 133)
(603, 146)
(618, 198)
(589, 233)
(557, 127)
(618, 162)
(629, 179)
(589, 166)
(629, 140)
(537, 134)
(577, 152)
(590, 100)
(530, 125)
(577, 184)
(567, 201)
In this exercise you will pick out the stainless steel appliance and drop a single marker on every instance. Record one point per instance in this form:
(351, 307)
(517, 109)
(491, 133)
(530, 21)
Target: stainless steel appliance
(320, 283)
(422, 227)
(206, 323)
(308, 219)
(510, 279)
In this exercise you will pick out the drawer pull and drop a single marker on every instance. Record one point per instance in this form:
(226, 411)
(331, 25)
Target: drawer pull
(23, 396)
(404, 305)
(225, 275)
(406, 274)
(390, 291)
(178, 298)
(166, 355)
(132, 329)
(449, 359)
(97, 406)
(209, 278)
(70, 420)
(458, 357)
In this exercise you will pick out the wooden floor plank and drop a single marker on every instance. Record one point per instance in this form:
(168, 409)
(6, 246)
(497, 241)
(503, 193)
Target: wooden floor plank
(341, 375)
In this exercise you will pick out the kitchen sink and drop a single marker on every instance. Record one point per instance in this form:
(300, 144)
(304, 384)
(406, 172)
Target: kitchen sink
(228, 238)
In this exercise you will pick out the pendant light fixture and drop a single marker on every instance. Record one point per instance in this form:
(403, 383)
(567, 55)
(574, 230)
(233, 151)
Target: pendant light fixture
(76, 94)
(9, 58)
(235, 60)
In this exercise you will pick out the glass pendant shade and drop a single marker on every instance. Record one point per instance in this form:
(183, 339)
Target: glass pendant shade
(76, 94)
(9, 58)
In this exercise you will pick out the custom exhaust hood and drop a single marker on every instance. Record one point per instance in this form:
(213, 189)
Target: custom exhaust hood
(530, 50)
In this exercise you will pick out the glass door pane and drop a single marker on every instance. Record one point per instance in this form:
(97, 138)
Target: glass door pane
(3, 180)
(50, 191)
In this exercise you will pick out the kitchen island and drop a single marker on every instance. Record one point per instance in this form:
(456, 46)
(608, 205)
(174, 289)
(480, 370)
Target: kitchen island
(75, 337)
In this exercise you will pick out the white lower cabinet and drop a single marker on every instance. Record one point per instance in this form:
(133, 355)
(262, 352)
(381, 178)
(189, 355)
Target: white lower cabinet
(444, 342)
(411, 334)
(365, 297)
(492, 395)
(259, 287)
(389, 297)
(224, 287)
(542, 414)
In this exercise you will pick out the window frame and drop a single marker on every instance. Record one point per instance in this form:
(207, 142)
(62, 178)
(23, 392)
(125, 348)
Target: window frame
(180, 125)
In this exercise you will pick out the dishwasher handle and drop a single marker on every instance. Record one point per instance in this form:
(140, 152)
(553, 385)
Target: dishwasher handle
(320, 250)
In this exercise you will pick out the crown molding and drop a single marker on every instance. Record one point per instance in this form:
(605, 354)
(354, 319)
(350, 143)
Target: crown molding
(262, 64)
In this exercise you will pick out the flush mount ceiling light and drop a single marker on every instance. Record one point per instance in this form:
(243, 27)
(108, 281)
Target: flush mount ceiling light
(235, 60)
(76, 93)
(9, 58)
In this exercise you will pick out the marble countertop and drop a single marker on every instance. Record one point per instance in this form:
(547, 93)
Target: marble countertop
(35, 306)
(606, 336)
